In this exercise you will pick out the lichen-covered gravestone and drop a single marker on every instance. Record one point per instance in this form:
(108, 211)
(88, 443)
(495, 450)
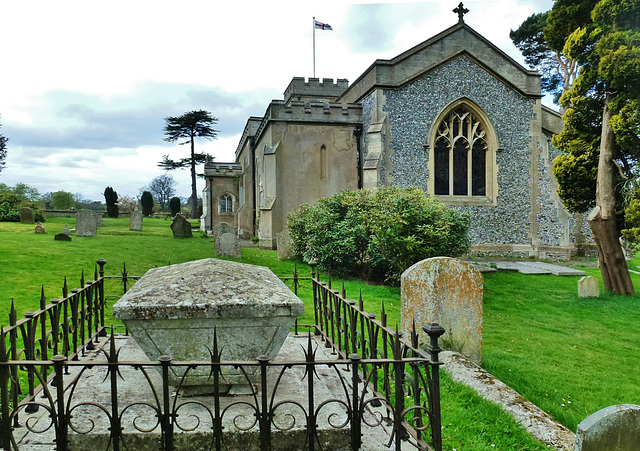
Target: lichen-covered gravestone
(39, 228)
(222, 227)
(227, 245)
(135, 220)
(615, 428)
(26, 215)
(181, 227)
(284, 245)
(174, 311)
(86, 223)
(447, 291)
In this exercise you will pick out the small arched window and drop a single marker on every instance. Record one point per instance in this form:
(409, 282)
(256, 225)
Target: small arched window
(226, 203)
(463, 157)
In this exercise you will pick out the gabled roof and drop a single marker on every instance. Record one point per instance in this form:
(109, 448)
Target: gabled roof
(455, 41)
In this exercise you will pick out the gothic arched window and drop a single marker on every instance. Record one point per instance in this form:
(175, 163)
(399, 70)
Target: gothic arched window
(462, 157)
(226, 203)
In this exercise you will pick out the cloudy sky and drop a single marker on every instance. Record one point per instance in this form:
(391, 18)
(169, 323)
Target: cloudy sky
(85, 85)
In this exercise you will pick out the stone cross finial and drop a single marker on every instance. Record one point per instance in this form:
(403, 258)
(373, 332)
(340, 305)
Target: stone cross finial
(461, 11)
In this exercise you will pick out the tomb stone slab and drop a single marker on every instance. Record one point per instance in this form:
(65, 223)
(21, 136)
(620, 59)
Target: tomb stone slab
(181, 227)
(135, 220)
(449, 292)
(26, 215)
(86, 223)
(615, 428)
(284, 245)
(227, 245)
(176, 310)
(588, 287)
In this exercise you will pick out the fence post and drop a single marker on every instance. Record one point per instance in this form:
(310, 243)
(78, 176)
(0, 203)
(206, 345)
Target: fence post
(5, 424)
(166, 423)
(61, 430)
(434, 331)
(265, 417)
(316, 305)
(101, 262)
(312, 426)
(356, 434)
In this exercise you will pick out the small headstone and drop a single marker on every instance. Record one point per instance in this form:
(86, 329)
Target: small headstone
(100, 218)
(447, 291)
(39, 228)
(227, 245)
(284, 245)
(612, 428)
(86, 223)
(588, 287)
(64, 235)
(26, 215)
(135, 220)
(221, 228)
(181, 227)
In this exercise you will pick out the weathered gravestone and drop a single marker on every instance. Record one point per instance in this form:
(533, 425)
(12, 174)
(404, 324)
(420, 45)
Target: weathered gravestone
(100, 219)
(177, 310)
(447, 291)
(135, 220)
(64, 235)
(223, 227)
(181, 227)
(227, 245)
(86, 223)
(39, 228)
(284, 245)
(26, 215)
(614, 428)
(588, 287)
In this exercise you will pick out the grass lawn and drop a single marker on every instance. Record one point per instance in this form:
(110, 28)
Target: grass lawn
(569, 356)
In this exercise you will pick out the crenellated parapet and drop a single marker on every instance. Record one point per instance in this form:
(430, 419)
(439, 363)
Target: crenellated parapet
(303, 90)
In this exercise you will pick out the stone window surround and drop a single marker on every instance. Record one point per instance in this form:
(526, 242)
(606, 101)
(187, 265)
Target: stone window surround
(491, 138)
(220, 204)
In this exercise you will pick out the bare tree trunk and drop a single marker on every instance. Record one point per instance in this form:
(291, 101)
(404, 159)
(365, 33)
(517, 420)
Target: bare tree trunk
(194, 192)
(602, 220)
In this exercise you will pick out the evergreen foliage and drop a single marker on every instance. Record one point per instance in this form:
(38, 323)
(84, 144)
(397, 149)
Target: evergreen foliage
(174, 205)
(146, 201)
(111, 199)
(10, 204)
(377, 234)
(189, 126)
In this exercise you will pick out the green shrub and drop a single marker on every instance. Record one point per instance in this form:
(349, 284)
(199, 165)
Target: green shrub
(174, 205)
(111, 197)
(377, 234)
(146, 200)
(10, 205)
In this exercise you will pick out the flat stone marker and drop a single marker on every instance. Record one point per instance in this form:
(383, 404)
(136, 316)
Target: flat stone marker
(39, 228)
(556, 270)
(227, 245)
(284, 245)
(135, 220)
(65, 235)
(588, 287)
(26, 215)
(614, 428)
(448, 291)
(175, 310)
(521, 268)
(86, 223)
(181, 227)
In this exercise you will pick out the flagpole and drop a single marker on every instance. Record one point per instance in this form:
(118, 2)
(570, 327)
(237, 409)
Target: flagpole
(314, 47)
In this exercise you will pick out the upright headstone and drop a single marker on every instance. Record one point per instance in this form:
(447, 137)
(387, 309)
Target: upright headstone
(223, 227)
(447, 291)
(39, 228)
(181, 227)
(26, 215)
(227, 245)
(86, 223)
(284, 245)
(588, 287)
(64, 235)
(100, 219)
(612, 428)
(135, 220)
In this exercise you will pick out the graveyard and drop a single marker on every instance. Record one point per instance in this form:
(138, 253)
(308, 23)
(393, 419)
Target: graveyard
(570, 356)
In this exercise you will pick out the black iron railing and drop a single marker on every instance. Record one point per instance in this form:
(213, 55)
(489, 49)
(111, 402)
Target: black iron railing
(384, 378)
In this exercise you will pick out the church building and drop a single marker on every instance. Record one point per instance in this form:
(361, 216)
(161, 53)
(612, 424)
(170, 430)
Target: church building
(454, 116)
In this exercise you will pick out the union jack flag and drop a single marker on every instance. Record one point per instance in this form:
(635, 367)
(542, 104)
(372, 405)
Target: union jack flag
(322, 26)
